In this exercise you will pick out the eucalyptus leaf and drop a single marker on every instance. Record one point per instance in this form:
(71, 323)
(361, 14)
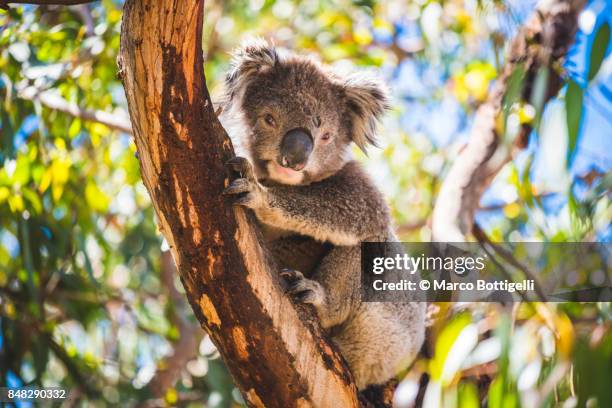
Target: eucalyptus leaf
(598, 50)
(574, 97)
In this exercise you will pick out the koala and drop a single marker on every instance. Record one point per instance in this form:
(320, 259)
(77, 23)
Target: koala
(293, 122)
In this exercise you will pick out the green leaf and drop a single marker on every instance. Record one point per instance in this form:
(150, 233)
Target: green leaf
(513, 93)
(468, 395)
(598, 49)
(21, 176)
(34, 199)
(502, 397)
(573, 114)
(75, 128)
(538, 94)
(526, 188)
(496, 392)
(445, 342)
(95, 197)
(6, 134)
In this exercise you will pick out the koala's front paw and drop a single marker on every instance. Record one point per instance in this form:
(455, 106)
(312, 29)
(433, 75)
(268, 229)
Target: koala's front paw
(302, 289)
(252, 194)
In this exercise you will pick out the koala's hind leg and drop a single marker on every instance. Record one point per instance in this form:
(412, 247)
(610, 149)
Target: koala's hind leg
(380, 340)
(333, 289)
(376, 339)
(298, 252)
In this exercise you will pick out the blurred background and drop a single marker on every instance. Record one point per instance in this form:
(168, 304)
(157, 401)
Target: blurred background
(89, 298)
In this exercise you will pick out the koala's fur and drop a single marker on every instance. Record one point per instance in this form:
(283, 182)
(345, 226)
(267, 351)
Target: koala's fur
(314, 219)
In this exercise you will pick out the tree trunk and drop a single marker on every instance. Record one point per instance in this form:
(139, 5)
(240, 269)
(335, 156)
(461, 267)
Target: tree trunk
(275, 354)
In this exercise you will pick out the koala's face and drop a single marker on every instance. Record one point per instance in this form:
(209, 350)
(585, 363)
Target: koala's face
(297, 131)
(301, 119)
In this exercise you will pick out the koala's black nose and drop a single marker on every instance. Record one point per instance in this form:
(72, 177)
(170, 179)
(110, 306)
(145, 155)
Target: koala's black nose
(295, 148)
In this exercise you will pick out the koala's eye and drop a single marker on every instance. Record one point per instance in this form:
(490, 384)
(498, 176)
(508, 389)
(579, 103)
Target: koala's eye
(326, 137)
(269, 119)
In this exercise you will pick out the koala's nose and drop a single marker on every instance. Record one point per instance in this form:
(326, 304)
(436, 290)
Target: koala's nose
(295, 148)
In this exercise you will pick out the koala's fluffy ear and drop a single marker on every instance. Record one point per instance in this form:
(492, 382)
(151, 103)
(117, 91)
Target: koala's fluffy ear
(366, 100)
(253, 56)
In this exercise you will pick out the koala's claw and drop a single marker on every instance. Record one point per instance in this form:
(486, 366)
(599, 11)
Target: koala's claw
(254, 193)
(246, 201)
(241, 165)
(301, 289)
(237, 186)
(291, 275)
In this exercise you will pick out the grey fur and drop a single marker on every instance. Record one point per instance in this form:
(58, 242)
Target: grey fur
(315, 219)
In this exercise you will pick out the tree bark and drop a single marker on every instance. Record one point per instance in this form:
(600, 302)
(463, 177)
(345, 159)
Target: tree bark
(541, 42)
(276, 355)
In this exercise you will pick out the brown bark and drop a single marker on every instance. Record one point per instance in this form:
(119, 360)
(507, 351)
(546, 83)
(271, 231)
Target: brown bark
(277, 358)
(541, 42)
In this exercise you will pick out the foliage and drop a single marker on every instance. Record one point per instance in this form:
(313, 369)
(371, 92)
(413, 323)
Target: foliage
(84, 297)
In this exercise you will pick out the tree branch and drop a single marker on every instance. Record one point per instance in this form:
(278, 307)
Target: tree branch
(482, 237)
(276, 355)
(541, 42)
(55, 101)
(4, 3)
(186, 347)
(82, 379)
